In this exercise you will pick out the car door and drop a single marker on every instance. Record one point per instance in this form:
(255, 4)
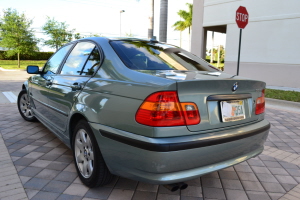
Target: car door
(68, 82)
(40, 83)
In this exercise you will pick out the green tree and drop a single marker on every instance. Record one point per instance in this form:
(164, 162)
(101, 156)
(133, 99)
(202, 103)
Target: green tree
(129, 34)
(95, 35)
(17, 36)
(78, 36)
(58, 33)
(187, 17)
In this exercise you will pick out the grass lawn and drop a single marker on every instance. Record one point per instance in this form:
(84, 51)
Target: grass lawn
(13, 64)
(283, 95)
(221, 65)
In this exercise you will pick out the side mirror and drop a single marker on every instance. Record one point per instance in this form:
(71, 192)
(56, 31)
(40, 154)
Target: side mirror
(31, 69)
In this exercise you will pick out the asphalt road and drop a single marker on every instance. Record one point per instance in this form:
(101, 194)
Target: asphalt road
(12, 80)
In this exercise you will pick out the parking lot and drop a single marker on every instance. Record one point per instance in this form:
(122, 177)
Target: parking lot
(36, 165)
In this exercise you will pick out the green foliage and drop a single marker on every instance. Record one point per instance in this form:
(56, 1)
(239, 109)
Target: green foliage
(13, 64)
(58, 33)
(17, 36)
(77, 36)
(215, 51)
(129, 34)
(187, 17)
(35, 56)
(95, 35)
(283, 95)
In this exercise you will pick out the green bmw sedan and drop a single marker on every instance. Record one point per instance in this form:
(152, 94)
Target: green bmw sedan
(145, 110)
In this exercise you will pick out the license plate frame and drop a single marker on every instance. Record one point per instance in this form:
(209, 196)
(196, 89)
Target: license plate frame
(233, 110)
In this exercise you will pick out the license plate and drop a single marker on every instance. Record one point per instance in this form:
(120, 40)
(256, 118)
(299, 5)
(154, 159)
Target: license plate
(232, 110)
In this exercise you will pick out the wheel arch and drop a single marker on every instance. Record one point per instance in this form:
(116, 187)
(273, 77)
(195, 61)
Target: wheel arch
(25, 86)
(76, 117)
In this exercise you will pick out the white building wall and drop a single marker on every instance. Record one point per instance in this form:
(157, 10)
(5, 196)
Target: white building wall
(270, 49)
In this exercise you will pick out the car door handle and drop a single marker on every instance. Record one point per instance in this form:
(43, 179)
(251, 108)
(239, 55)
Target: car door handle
(76, 86)
(48, 83)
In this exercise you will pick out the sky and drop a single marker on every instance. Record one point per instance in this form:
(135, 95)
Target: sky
(103, 17)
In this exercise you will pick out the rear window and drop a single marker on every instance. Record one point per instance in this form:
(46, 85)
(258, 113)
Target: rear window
(143, 55)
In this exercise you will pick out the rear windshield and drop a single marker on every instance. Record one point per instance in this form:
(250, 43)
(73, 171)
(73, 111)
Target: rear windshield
(143, 55)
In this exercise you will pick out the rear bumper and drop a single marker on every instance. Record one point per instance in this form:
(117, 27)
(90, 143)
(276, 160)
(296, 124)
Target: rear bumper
(174, 159)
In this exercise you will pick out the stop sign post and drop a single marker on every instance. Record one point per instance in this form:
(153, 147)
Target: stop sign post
(241, 18)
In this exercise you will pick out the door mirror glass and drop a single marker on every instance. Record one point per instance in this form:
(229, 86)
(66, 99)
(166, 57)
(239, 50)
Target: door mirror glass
(31, 69)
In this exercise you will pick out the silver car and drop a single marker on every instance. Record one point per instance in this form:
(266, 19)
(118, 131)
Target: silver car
(145, 110)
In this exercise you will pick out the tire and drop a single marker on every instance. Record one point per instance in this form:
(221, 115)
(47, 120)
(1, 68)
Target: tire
(89, 163)
(25, 107)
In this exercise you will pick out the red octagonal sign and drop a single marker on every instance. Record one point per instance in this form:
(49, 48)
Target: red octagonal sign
(242, 17)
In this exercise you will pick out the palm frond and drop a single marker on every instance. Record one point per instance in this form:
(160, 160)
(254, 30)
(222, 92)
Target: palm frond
(187, 17)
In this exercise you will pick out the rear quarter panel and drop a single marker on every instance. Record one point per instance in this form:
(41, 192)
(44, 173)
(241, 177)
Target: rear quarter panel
(113, 96)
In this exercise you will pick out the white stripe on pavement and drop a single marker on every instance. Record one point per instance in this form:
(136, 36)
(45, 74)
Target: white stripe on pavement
(11, 97)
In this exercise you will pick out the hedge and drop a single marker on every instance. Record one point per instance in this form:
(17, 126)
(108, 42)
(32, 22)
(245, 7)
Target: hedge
(208, 60)
(36, 56)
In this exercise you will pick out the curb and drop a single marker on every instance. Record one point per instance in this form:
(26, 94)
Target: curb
(283, 105)
(11, 70)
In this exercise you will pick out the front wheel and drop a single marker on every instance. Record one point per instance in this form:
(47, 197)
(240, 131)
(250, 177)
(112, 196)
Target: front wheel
(25, 107)
(89, 162)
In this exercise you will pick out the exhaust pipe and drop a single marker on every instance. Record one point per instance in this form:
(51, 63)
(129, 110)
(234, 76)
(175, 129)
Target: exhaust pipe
(182, 185)
(175, 186)
(172, 187)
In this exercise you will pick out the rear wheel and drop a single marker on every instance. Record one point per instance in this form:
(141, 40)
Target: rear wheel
(25, 107)
(89, 162)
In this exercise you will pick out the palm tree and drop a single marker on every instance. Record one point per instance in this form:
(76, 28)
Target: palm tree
(187, 17)
(151, 18)
(163, 24)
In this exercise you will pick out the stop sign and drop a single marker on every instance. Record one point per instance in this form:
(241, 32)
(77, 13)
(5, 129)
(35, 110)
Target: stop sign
(242, 17)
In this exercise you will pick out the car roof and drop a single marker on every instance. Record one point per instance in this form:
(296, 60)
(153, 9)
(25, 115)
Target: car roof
(108, 39)
(115, 38)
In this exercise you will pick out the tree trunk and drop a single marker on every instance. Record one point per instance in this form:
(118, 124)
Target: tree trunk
(190, 45)
(218, 65)
(151, 19)
(212, 49)
(180, 38)
(19, 60)
(163, 24)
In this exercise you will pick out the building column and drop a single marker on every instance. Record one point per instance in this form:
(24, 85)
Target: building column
(198, 45)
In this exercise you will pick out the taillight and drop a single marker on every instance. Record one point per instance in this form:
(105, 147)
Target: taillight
(260, 104)
(164, 109)
(191, 113)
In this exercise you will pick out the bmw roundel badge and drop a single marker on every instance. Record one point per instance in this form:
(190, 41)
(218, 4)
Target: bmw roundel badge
(235, 86)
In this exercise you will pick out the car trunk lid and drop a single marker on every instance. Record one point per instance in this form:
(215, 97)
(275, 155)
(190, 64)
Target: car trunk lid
(223, 100)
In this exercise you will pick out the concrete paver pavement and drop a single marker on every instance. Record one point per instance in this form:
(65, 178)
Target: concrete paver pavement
(46, 169)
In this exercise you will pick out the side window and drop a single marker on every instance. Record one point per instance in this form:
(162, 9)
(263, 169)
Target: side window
(92, 63)
(54, 62)
(77, 58)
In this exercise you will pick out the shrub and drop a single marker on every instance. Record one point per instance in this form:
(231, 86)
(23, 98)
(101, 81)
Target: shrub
(36, 56)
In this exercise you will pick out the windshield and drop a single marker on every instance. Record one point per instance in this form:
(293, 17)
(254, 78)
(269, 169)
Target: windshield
(143, 55)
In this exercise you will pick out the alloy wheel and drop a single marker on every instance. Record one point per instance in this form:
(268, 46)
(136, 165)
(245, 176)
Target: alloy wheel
(84, 153)
(25, 107)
